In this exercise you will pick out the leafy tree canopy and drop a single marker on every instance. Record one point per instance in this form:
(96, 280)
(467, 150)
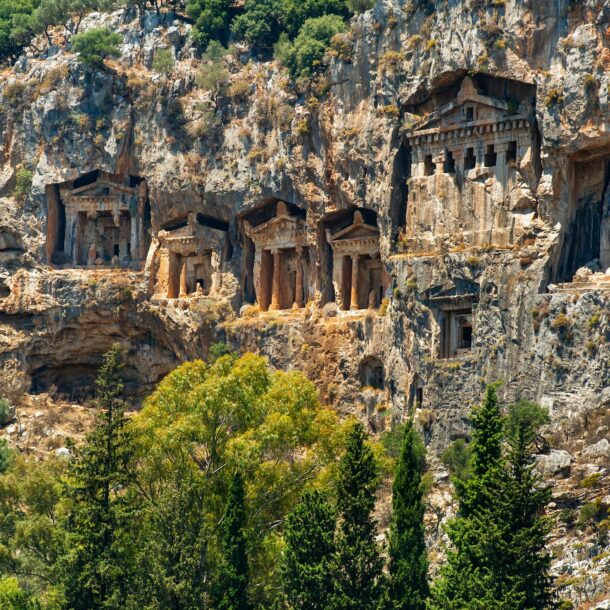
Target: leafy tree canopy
(237, 414)
(95, 45)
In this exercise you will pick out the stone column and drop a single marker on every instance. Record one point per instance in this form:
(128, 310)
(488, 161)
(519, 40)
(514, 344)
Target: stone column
(298, 289)
(276, 284)
(183, 288)
(355, 276)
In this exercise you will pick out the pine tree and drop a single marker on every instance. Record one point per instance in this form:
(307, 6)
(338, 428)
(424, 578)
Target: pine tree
(523, 502)
(358, 560)
(307, 570)
(95, 569)
(232, 585)
(407, 587)
(498, 560)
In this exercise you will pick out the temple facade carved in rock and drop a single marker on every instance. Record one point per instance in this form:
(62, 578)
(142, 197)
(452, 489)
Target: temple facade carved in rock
(189, 258)
(358, 276)
(464, 186)
(98, 219)
(281, 270)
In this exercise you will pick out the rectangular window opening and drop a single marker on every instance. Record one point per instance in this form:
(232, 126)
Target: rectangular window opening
(490, 156)
(449, 163)
(470, 160)
(429, 166)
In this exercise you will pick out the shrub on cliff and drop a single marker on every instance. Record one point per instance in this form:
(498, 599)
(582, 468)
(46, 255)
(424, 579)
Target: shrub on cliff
(11, 11)
(264, 21)
(212, 21)
(163, 63)
(304, 56)
(93, 46)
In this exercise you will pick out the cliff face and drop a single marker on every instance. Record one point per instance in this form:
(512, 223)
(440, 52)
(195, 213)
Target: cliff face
(471, 138)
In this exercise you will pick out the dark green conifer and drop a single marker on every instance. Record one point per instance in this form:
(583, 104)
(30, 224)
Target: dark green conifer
(307, 569)
(359, 563)
(407, 587)
(498, 559)
(232, 585)
(95, 570)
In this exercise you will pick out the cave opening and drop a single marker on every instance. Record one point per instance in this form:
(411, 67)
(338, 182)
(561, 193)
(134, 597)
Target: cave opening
(372, 373)
(586, 237)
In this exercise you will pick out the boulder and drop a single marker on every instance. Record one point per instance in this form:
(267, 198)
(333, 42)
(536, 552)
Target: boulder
(599, 449)
(557, 462)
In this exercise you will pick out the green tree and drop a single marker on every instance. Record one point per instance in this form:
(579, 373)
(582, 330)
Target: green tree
(358, 559)
(95, 45)
(96, 568)
(304, 55)
(31, 539)
(232, 584)
(530, 414)
(212, 21)
(13, 598)
(307, 567)
(235, 413)
(12, 40)
(172, 562)
(407, 587)
(163, 62)
(498, 559)
(522, 504)
(263, 21)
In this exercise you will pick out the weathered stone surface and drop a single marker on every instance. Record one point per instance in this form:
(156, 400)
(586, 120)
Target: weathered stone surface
(492, 272)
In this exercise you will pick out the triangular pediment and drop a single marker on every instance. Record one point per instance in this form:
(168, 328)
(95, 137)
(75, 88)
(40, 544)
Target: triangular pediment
(101, 188)
(356, 232)
(359, 229)
(277, 224)
(468, 95)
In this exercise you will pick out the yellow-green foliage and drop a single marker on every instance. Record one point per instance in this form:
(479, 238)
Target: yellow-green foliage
(390, 60)
(561, 322)
(593, 321)
(553, 97)
(390, 109)
(237, 412)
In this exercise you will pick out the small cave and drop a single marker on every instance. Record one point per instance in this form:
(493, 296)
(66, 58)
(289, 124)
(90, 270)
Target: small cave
(586, 236)
(5, 290)
(371, 373)
(74, 382)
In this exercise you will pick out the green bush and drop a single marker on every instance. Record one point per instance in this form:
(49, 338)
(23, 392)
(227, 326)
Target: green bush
(263, 21)
(6, 413)
(95, 45)
(392, 441)
(359, 6)
(213, 76)
(592, 513)
(212, 21)
(303, 56)
(163, 63)
(12, 597)
(6, 455)
(457, 458)
(526, 412)
(23, 182)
